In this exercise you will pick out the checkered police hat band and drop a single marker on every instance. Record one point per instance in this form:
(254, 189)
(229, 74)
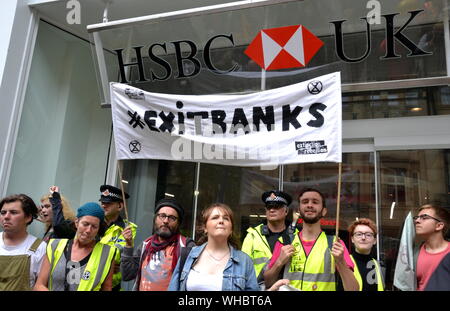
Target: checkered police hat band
(110, 194)
(276, 199)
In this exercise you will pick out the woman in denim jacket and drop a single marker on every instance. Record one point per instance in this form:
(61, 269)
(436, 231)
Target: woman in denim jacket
(217, 264)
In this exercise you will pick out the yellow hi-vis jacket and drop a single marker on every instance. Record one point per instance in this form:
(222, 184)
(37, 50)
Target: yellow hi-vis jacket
(379, 278)
(113, 237)
(315, 272)
(97, 267)
(257, 247)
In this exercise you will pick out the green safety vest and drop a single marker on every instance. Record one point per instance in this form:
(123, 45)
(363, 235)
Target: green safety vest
(314, 272)
(358, 277)
(257, 247)
(113, 237)
(96, 270)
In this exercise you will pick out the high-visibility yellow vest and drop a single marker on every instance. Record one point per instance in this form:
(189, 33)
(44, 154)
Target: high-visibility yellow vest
(257, 247)
(113, 237)
(358, 277)
(97, 267)
(315, 272)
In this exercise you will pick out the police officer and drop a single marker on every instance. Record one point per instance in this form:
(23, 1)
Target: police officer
(112, 202)
(275, 231)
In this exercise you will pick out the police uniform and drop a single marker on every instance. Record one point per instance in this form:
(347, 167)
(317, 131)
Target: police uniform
(259, 242)
(113, 235)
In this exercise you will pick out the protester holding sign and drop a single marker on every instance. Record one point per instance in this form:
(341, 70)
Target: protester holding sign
(313, 263)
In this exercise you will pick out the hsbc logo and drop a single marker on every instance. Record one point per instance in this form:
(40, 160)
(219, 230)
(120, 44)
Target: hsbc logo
(283, 47)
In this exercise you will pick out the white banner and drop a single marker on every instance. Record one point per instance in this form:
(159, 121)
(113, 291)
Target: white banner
(293, 124)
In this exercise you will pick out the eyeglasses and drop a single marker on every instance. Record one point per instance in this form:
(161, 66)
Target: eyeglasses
(425, 217)
(367, 235)
(164, 216)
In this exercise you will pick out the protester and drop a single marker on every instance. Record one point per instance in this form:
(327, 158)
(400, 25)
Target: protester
(112, 202)
(260, 241)
(21, 253)
(217, 264)
(81, 264)
(153, 263)
(432, 257)
(310, 262)
(367, 270)
(57, 215)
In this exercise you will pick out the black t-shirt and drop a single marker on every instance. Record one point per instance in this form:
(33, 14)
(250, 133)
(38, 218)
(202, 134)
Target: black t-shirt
(367, 270)
(273, 237)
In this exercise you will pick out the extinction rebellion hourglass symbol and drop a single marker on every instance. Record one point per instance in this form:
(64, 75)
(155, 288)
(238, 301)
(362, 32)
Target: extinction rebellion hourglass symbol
(135, 146)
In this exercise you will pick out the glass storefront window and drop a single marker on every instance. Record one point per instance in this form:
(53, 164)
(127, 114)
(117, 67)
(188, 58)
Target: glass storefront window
(148, 181)
(396, 103)
(240, 188)
(408, 179)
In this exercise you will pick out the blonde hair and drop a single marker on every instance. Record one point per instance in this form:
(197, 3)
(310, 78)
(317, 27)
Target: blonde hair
(68, 213)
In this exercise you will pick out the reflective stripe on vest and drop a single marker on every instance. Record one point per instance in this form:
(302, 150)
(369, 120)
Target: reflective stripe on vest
(358, 276)
(312, 272)
(259, 250)
(113, 237)
(96, 270)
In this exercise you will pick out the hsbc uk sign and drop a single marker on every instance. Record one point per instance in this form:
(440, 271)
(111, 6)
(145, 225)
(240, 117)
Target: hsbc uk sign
(272, 49)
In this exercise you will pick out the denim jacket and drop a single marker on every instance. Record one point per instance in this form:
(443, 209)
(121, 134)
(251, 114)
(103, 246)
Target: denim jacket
(238, 275)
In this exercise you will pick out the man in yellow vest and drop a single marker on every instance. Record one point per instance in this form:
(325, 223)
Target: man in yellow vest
(112, 202)
(260, 241)
(310, 263)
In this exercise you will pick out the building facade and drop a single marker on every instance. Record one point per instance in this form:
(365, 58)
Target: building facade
(56, 123)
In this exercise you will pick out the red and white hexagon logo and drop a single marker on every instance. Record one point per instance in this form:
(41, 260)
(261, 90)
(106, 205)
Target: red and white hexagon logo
(283, 47)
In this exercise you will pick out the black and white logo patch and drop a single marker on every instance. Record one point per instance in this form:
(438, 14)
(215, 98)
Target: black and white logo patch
(86, 275)
(311, 147)
(134, 94)
(315, 87)
(135, 146)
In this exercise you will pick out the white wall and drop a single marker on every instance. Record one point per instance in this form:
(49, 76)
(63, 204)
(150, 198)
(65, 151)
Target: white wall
(6, 23)
(63, 136)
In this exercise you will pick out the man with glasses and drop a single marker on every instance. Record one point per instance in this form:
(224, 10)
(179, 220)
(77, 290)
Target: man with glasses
(432, 258)
(152, 264)
(112, 202)
(313, 259)
(261, 240)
